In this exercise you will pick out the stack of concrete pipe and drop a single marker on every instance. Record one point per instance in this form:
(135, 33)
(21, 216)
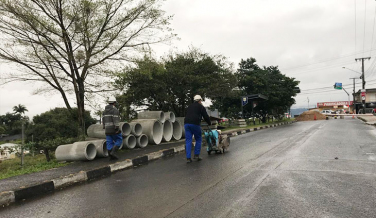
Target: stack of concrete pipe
(160, 126)
(130, 133)
(152, 129)
(181, 121)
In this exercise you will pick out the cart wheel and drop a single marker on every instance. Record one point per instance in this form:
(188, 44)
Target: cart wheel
(209, 152)
(223, 150)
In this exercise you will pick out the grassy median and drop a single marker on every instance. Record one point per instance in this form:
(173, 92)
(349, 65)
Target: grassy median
(12, 167)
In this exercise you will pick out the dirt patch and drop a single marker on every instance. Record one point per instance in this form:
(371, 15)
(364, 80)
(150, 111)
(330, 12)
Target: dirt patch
(310, 115)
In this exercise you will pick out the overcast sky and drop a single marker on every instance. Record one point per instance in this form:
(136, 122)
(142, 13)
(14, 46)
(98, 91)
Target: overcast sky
(309, 40)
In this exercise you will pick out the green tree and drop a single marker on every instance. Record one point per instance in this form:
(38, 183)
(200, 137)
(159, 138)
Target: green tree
(268, 81)
(20, 109)
(70, 45)
(13, 122)
(2, 130)
(51, 127)
(170, 84)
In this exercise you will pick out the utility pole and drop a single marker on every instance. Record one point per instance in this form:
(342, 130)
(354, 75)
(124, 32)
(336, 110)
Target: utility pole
(308, 102)
(23, 143)
(363, 80)
(353, 93)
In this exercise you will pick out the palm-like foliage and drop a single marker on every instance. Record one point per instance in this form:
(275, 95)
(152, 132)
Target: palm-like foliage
(20, 109)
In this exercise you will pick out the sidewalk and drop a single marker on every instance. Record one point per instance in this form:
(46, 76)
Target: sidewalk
(370, 120)
(26, 186)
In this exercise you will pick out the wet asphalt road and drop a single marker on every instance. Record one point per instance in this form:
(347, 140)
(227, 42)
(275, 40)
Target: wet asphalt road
(288, 171)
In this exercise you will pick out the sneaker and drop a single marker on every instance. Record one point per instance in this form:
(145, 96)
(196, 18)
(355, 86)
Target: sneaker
(197, 157)
(189, 160)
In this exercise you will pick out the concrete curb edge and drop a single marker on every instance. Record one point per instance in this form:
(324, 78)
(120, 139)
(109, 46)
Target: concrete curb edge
(8, 197)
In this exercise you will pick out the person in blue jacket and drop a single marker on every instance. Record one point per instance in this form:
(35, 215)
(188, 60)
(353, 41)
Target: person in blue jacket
(111, 122)
(195, 112)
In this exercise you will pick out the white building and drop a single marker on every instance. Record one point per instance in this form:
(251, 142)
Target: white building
(8, 151)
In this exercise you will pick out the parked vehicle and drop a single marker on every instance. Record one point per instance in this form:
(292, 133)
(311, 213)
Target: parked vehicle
(327, 112)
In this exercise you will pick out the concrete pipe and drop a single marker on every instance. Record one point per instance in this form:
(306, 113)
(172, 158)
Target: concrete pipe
(101, 147)
(76, 151)
(153, 129)
(159, 115)
(169, 116)
(136, 129)
(181, 120)
(176, 130)
(142, 141)
(130, 142)
(167, 131)
(96, 131)
(125, 128)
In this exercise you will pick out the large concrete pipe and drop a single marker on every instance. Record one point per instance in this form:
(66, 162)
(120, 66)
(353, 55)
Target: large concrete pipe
(153, 129)
(159, 115)
(142, 141)
(130, 142)
(76, 151)
(96, 131)
(101, 147)
(136, 128)
(181, 120)
(167, 131)
(125, 128)
(176, 130)
(169, 116)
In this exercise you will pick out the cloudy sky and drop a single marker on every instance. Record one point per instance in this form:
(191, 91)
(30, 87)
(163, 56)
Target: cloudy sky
(309, 40)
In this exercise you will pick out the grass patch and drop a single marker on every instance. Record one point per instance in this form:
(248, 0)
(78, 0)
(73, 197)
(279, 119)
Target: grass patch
(12, 167)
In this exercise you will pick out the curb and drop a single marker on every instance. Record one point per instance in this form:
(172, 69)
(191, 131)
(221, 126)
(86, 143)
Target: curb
(23, 193)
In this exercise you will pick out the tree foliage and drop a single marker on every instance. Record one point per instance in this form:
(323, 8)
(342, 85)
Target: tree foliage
(58, 122)
(20, 109)
(11, 123)
(69, 45)
(170, 84)
(269, 81)
(56, 127)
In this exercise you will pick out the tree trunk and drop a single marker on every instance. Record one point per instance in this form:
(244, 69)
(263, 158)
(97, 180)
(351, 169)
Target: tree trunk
(80, 96)
(46, 152)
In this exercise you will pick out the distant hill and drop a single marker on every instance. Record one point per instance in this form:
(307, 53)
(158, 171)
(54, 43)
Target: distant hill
(297, 111)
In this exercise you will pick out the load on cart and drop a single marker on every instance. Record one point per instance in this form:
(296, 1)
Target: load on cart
(215, 140)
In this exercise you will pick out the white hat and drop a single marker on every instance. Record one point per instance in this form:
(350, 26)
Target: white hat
(197, 98)
(112, 99)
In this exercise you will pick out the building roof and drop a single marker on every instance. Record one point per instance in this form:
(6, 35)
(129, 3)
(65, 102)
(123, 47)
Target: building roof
(9, 145)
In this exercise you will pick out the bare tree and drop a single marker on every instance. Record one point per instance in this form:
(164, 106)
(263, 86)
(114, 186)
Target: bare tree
(71, 45)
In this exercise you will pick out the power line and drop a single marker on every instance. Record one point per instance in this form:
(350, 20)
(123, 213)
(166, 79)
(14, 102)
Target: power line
(355, 24)
(331, 87)
(325, 60)
(327, 91)
(365, 14)
(339, 64)
(373, 32)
